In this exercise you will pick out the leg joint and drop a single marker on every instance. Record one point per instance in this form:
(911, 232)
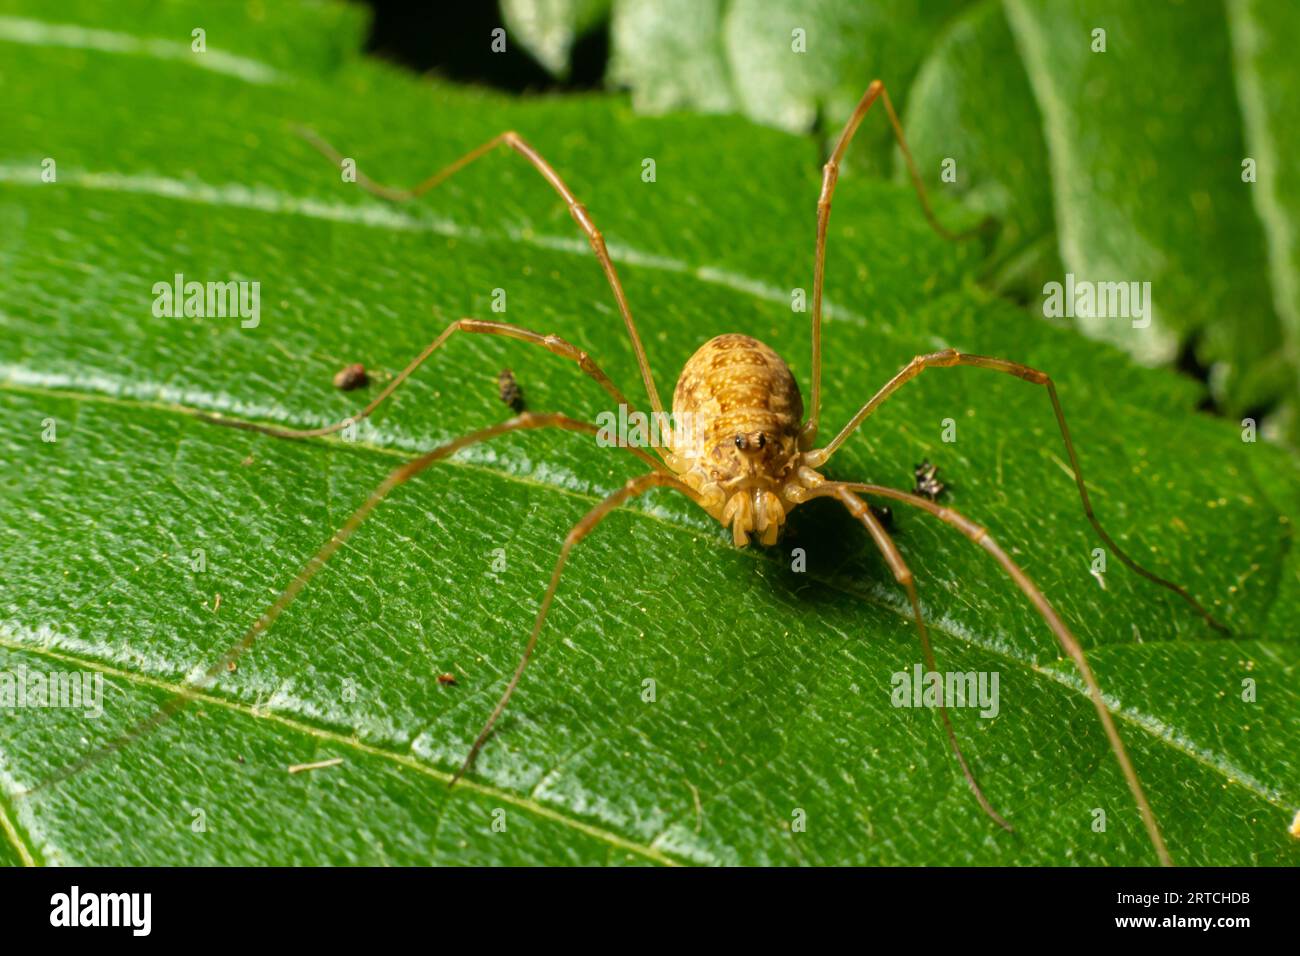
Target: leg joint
(583, 219)
(945, 357)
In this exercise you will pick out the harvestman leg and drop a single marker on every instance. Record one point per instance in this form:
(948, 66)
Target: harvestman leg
(552, 343)
(576, 209)
(903, 575)
(399, 475)
(951, 357)
(830, 176)
(634, 487)
(405, 472)
(1066, 639)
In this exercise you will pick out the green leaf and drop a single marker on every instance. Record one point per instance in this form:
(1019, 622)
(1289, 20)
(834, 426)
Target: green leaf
(795, 65)
(1268, 87)
(773, 687)
(971, 105)
(252, 40)
(549, 28)
(1148, 180)
(670, 55)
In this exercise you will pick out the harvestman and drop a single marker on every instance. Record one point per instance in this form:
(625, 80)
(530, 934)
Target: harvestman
(748, 463)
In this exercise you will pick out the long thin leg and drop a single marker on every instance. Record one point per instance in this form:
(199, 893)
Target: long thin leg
(1066, 639)
(576, 209)
(830, 176)
(634, 487)
(903, 575)
(553, 343)
(399, 475)
(951, 357)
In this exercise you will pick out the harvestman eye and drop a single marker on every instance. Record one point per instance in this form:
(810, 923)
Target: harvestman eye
(763, 399)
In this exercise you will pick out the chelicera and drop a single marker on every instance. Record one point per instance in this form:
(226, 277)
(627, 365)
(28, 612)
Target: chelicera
(749, 459)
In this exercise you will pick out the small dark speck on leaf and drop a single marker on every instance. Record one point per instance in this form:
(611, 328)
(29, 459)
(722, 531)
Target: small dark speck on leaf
(885, 515)
(509, 390)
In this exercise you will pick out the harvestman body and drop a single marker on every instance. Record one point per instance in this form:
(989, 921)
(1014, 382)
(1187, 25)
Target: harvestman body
(748, 462)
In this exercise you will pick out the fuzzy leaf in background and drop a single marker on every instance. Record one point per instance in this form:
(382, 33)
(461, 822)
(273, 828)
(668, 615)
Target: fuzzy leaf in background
(1146, 147)
(549, 29)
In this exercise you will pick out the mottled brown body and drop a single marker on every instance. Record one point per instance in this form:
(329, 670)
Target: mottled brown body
(737, 413)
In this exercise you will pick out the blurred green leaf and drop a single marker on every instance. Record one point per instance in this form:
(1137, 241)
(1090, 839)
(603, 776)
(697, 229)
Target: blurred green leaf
(1145, 142)
(670, 55)
(1268, 87)
(971, 105)
(549, 28)
(306, 36)
(792, 64)
(772, 687)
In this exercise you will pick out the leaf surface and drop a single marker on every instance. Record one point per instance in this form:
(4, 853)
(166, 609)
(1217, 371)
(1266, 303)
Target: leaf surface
(772, 687)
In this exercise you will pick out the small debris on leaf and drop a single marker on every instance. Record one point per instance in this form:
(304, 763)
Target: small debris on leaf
(928, 484)
(350, 377)
(318, 765)
(509, 390)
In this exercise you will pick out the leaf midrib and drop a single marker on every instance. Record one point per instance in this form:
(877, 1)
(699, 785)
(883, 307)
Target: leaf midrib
(77, 36)
(340, 740)
(26, 854)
